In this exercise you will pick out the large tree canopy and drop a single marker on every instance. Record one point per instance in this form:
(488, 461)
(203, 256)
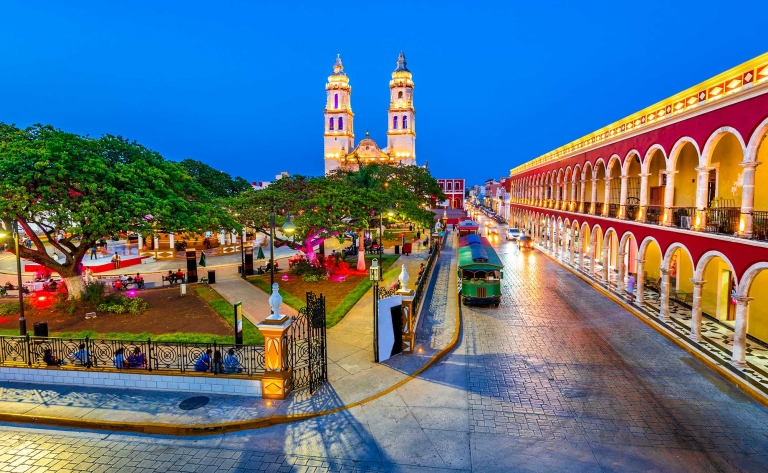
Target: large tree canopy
(344, 201)
(51, 180)
(218, 183)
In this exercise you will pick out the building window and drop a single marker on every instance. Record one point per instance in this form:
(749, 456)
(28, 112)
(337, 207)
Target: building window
(335, 100)
(394, 123)
(331, 124)
(450, 186)
(341, 123)
(400, 94)
(405, 122)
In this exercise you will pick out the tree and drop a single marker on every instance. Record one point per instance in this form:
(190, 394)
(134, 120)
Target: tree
(344, 201)
(51, 180)
(320, 208)
(408, 190)
(218, 183)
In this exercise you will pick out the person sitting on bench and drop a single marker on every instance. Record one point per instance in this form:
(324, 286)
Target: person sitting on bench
(179, 276)
(171, 278)
(139, 280)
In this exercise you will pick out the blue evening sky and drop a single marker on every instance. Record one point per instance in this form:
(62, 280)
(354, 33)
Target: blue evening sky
(240, 85)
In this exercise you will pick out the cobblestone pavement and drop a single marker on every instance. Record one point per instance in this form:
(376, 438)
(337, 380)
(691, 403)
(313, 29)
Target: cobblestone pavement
(559, 363)
(556, 379)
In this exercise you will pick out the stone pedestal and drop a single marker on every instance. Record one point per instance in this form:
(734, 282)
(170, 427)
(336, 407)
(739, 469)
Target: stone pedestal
(276, 382)
(409, 321)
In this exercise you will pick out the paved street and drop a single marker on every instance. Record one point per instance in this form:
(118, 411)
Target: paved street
(556, 379)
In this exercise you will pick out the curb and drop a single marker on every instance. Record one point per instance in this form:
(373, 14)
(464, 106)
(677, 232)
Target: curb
(252, 424)
(730, 376)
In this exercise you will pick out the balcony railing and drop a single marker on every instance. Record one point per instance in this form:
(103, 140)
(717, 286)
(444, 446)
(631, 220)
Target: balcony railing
(598, 208)
(631, 211)
(653, 214)
(683, 217)
(760, 225)
(722, 220)
(613, 210)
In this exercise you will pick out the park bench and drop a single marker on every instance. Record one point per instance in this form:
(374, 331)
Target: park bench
(172, 280)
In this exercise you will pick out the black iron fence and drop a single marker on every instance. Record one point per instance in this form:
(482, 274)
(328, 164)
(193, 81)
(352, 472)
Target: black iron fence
(423, 281)
(683, 217)
(139, 355)
(653, 214)
(598, 208)
(724, 220)
(631, 211)
(760, 225)
(613, 210)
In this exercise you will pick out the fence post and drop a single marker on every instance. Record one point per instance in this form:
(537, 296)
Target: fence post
(87, 352)
(29, 349)
(149, 354)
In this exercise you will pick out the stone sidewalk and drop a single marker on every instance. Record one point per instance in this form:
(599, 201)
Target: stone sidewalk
(353, 376)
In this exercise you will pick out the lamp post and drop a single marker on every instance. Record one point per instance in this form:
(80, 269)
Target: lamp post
(22, 320)
(374, 274)
(288, 228)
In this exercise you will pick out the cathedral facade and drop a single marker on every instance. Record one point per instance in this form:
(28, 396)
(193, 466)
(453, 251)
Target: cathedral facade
(339, 136)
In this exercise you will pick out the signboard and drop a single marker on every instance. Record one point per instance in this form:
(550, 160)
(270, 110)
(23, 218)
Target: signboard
(239, 323)
(390, 327)
(191, 266)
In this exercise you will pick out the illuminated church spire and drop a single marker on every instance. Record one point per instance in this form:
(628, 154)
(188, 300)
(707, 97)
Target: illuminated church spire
(401, 134)
(339, 136)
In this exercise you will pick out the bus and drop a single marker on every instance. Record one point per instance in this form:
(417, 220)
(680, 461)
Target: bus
(480, 272)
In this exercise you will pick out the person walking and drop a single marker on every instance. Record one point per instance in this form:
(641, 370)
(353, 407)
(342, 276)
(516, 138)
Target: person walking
(94, 255)
(631, 287)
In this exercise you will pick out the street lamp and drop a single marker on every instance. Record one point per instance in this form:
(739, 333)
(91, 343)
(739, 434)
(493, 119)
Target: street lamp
(288, 228)
(374, 274)
(22, 320)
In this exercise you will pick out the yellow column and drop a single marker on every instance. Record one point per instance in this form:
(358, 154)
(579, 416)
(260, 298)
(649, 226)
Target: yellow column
(409, 322)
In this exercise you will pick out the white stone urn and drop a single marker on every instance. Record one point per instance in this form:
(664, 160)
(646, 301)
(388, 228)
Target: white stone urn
(275, 301)
(403, 278)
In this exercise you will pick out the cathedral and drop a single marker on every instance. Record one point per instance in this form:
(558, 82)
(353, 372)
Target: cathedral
(339, 136)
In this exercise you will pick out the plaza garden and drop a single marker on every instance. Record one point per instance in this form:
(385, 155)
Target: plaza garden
(65, 192)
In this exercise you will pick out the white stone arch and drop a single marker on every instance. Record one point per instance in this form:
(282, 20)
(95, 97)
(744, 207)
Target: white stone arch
(706, 258)
(643, 247)
(625, 237)
(671, 251)
(593, 231)
(607, 233)
(750, 155)
(645, 166)
(625, 163)
(597, 165)
(576, 171)
(706, 154)
(588, 166)
(675, 152)
(749, 276)
(611, 161)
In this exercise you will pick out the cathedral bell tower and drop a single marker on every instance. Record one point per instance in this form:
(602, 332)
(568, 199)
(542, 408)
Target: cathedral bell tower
(401, 134)
(339, 136)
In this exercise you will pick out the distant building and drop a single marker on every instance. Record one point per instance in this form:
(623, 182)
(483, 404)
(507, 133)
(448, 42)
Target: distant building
(454, 191)
(258, 185)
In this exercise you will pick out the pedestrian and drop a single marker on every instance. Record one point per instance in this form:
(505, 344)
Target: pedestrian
(119, 360)
(116, 260)
(94, 255)
(88, 275)
(231, 363)
(203, 363)
(631, 287)
(80, 357)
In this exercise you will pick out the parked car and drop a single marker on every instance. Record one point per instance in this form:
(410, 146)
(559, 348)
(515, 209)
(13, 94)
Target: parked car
(524, 243)
(513, 234)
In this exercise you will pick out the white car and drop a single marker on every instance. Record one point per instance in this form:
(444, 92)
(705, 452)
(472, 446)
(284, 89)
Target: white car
(513, 234)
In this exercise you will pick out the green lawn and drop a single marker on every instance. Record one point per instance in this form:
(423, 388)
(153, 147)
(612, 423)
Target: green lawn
(251, 335)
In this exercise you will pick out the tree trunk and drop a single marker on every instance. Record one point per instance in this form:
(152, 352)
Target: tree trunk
(361, 252)
(75, 286)
(309, 249)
